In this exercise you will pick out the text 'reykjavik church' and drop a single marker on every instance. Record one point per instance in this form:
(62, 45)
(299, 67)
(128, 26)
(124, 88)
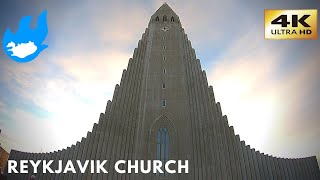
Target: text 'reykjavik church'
(164, 109)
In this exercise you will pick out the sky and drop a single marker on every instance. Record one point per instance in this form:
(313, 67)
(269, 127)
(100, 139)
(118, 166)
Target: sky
(269, 89)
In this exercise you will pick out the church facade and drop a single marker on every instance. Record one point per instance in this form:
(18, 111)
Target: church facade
(164, 109)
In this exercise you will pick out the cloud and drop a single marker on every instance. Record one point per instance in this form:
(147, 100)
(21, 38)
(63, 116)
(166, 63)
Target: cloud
(266, 106)
(2, 106)
(80, 93)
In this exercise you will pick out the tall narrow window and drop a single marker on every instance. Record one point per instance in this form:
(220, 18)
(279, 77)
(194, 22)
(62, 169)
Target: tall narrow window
(164, 58)
(164, 47)
(164, 71)
(163, 85)
(163, 146)
(172, 19)
(164, 38)
(157, 18)
(164, 103)
(164, 18)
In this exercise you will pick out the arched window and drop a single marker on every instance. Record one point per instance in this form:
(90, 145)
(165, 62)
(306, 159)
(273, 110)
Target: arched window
(165, 18)
(157, 18)
(172, 19)
(163, 146)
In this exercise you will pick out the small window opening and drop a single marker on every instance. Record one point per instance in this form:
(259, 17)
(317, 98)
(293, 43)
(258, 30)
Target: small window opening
(163, 85)
(164, 103)
(165, 18)
(164, 71)
(172, 19)
(157, 18)
(164, 58)
(164, 38)
(164, 47)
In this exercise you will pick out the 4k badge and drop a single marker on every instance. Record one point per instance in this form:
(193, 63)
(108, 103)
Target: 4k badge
(291, 24)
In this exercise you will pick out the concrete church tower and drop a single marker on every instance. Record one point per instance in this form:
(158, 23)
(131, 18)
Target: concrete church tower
(164, 109)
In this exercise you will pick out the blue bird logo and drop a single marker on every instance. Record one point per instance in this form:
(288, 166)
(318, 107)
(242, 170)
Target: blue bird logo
(26, 44)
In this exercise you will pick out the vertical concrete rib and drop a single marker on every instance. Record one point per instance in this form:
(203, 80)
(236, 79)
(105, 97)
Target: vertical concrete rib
(73, 158)
(285, 168)
(241, 159)
(315, 168)
(128, 115)
(270, 167)
(250, 162)
(65, 160)
(116, 140)
(267, 171)
(210, 168)
(278, 168)
(89, 148)
(124, 103)
(100, 151)
(79, 157)
(308, 167)
(200, 117)
(190, 82)
(83, 154)
(246, 161)
(193, 117)
(230, 148)
(255, 163)
(222, 149)
(294, 170)
(275, 167)
(56, 164)
(287, 165)
(111, 136)
(226, 153)
(237, 163)
(105, 139)
(197, 116)
(216, 152)
(94, 144)
(137, 92)
(303, 168)
(297, 168)
(260, 164)
(134, 87)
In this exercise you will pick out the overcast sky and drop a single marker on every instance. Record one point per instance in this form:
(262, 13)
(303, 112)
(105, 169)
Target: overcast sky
(268, 89)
